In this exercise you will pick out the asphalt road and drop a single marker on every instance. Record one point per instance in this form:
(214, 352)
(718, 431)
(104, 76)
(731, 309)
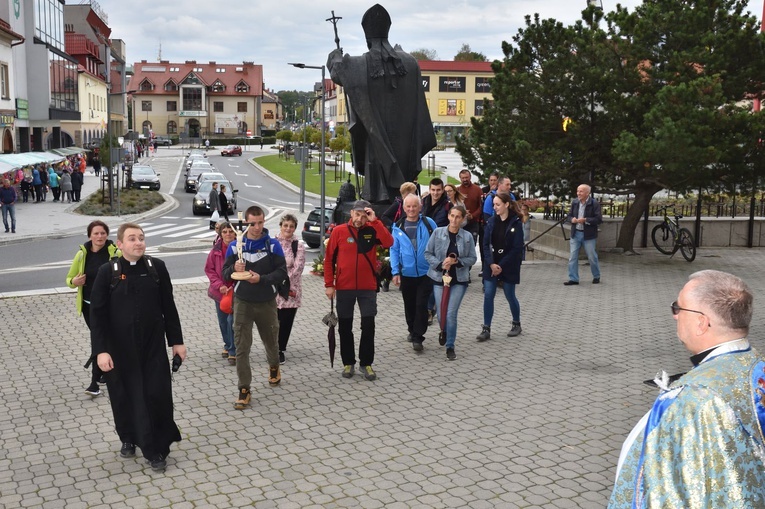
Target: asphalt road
(43, 264)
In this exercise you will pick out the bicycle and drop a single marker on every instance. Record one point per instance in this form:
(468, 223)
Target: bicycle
(668, 237)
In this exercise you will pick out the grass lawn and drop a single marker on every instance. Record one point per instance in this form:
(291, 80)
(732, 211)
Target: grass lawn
(335, 177)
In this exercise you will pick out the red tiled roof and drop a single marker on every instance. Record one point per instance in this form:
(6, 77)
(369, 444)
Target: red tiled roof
(251, 74)
(78, 44)
(454, 66)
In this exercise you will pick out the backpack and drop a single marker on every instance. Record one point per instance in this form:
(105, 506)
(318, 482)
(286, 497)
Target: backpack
(283, 288)
(117, 275)
(400, 224)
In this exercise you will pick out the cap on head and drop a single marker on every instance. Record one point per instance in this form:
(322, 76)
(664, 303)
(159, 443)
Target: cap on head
(376, 22)
(360, 205)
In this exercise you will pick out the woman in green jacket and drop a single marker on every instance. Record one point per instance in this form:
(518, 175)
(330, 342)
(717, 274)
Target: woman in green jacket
(94, 253)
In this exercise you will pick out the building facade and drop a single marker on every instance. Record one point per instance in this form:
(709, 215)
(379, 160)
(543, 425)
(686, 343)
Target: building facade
(195, 100)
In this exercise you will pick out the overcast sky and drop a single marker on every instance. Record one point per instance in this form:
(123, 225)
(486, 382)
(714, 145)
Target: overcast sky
(276, 32)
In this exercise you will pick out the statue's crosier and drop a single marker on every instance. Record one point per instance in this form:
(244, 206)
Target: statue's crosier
(389, 122)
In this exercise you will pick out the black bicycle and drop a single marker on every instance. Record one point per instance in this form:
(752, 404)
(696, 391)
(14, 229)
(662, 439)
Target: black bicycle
(668, 237)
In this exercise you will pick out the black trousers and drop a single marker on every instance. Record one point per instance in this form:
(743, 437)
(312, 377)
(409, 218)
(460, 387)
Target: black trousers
(96, 371)
(346, 301)
(416, 292)
(286, 319)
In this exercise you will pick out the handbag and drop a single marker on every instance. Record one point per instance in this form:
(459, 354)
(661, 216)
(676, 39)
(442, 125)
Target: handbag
(215, 217)
(227, 302)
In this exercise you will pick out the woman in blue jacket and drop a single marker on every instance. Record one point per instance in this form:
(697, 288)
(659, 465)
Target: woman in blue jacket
(503, 254)
(451, 250)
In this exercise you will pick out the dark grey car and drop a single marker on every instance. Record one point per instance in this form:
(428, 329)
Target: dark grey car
(144, 177)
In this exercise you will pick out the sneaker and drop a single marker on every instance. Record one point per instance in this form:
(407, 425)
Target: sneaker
(369, 373)
(450, 355)
(596, 281)
(243, 400)
(128, 450)
(282, 357)
(224, 354)
(417, 346)
(571, 283)
(409, 337)
(442, 338)
(158, 463)
(93, 390)
(232, 360)
(274, 375)
(485, 334)
(514, 330)
(348, 371)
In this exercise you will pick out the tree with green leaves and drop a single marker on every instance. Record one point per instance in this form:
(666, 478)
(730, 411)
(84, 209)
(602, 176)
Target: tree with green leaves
(465, 54)
(657, 98)
(424, 54)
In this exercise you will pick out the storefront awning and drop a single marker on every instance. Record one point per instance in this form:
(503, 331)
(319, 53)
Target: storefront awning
(29, 158)
(69, 151)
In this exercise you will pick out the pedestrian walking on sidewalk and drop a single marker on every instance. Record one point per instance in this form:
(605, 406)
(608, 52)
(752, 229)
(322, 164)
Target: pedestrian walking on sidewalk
(98, 250)
(503, 254)
(451, 253)
(8, 204)
(132, 314)
(97, 166)
(262, 271)
(350, 276)
(219, 287)
(294, 256)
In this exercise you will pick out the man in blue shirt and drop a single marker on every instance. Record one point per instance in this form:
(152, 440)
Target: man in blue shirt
(7, 202)
(410, 268)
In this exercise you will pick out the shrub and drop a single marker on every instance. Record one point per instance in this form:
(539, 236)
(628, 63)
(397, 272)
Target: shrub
(132, 201)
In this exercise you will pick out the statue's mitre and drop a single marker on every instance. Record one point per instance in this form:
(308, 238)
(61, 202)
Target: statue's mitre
(376, 22)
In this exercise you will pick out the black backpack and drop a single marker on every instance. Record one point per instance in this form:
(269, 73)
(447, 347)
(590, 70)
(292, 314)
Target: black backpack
(117, 275)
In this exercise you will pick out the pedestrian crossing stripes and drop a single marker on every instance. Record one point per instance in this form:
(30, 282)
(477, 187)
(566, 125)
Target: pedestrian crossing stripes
(176, 231)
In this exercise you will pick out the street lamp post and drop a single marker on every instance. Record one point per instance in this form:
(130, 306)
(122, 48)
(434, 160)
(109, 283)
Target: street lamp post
(321, 160)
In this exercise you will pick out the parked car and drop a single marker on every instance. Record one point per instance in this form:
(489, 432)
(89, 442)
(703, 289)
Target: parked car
(193, 174)
(144, 177)
(163, 140)
(231, 150)
(200, 205)
(312, 227)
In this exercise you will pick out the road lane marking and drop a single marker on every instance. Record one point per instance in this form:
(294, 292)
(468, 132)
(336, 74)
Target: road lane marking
(189, 231)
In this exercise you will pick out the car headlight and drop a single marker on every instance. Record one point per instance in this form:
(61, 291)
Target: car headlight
(190, 181)
(199, 202)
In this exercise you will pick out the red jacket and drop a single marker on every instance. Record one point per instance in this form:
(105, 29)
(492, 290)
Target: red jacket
(344, 266)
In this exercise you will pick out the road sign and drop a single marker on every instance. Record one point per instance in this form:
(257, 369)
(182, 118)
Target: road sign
(249, 133)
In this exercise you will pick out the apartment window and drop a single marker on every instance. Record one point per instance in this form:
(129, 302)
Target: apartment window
(172, 127)
(172, 106)
(146, 85)
(241, 107)
(242, 87)
(218, 106)
(170, 86)
(4, 87)
(145, 105)
(192, 99)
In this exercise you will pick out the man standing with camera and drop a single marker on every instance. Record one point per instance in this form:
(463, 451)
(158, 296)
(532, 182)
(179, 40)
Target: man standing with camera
(350, 274)
(132, 312)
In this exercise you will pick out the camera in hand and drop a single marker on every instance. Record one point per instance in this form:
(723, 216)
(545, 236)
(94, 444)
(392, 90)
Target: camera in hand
(177, 361)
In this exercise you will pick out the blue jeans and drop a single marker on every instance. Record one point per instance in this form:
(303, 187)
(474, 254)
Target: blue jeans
(577, 239)
(490, 290)
(10, 207)
(455, 299)
(226, 324)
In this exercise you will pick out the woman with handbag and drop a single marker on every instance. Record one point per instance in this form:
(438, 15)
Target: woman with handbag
(219, 289)
(294, 256)
(82, 274)
(450, 254)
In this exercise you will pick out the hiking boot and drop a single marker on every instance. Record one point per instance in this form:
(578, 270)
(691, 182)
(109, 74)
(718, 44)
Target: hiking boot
(515, 330)
(128, 450)
(243, 401)
(485, 334)
(348, 371)
(417, 346)
(232, 360)
(158, 463)
(274, 375)
(369, 373)
(450, 355)
(282, 357)
(93, 390)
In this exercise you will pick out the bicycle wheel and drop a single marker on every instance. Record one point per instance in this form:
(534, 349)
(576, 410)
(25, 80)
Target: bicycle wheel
(663, 239)
(687, 245)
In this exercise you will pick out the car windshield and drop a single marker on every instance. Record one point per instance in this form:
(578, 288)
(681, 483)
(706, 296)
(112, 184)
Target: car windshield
(211, 176)
(205, 187)
(142, 170)
(230, 147)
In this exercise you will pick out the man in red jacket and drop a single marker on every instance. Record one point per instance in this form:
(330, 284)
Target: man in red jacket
(350, 274)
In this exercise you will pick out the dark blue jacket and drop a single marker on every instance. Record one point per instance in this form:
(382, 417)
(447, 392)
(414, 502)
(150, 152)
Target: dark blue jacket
(592, 217)
(512, 251)
(7, 196)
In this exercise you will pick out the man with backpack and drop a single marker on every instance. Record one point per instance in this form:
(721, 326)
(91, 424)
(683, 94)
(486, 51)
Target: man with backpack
(132, 314)
(410, 268)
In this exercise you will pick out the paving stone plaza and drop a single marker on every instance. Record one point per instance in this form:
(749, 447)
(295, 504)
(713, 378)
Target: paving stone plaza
(536, 421)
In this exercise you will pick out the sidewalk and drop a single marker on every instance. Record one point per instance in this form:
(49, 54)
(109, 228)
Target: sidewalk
(532, 422)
